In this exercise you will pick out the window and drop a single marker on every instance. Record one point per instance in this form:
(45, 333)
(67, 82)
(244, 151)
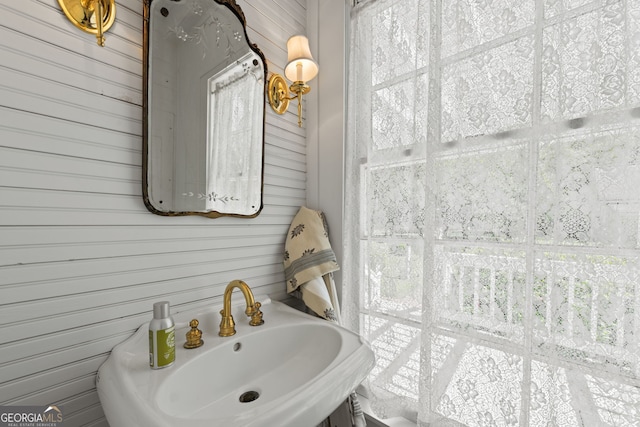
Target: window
(492, 209)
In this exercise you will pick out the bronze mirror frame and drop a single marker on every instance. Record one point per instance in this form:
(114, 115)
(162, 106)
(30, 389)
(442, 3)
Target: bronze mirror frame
(237, 12)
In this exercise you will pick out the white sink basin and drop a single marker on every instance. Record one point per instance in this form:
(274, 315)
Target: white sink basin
(294, 371)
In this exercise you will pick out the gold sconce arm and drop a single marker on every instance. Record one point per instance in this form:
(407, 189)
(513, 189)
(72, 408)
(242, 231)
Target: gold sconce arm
(100, 34)
(92, 16)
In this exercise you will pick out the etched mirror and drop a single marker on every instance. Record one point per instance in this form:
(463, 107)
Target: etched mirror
(203, 132)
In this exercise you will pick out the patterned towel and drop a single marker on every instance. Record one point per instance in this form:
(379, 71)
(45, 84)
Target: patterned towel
(309, 260)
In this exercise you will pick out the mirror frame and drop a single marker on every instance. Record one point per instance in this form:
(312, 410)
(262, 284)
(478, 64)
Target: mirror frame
(237, 12)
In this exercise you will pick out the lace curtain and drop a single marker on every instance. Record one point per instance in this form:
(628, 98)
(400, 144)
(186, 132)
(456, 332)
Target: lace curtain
(234, 101)
(493, 210)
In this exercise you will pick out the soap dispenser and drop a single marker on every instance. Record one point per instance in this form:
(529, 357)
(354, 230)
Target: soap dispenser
(162, 343)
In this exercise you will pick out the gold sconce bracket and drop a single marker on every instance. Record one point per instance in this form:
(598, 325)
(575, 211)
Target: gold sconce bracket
(92, 16)
(277, 93)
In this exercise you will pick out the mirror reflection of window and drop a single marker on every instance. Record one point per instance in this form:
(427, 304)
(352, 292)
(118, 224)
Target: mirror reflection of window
(233, 177)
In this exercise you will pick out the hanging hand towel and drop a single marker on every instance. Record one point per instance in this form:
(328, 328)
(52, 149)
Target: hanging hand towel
(307, 258)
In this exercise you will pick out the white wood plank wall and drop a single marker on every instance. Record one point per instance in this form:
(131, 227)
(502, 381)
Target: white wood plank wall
(81, 259)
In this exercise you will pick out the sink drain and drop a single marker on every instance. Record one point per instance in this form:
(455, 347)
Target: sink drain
(249, 396)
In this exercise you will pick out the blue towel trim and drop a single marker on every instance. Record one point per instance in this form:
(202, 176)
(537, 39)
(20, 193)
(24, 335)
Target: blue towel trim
(309, 261)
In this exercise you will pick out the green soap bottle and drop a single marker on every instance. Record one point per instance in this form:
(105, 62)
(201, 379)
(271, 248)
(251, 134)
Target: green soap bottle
(162, 339)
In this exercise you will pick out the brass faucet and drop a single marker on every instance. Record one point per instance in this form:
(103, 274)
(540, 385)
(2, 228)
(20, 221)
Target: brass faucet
(227, 325)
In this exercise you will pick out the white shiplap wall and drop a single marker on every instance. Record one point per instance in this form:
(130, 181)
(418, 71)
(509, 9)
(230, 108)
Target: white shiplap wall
(81, 259)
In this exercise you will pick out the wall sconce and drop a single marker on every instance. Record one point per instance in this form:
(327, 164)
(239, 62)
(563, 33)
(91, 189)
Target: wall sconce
(300, 69)
(92, 16)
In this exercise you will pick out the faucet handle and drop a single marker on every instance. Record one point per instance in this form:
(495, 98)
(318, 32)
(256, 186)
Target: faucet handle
(256, 315)
(194, 336)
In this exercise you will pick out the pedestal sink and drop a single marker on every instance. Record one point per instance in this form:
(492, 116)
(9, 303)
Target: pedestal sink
(293, 371)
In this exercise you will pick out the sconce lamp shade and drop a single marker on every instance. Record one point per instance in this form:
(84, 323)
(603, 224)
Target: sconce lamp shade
(300, 54)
